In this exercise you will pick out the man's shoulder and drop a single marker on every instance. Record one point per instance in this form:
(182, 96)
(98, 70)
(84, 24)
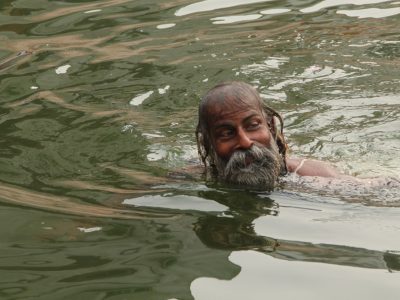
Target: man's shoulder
(311, 167)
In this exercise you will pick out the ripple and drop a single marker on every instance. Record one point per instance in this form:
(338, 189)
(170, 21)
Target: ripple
(166, 26)
(18, 196)
(374, 191)
(334, 3)
(176, 202)
(235, 19)
(92, 11)
(272, 62)
(209, 5)
(275, 11)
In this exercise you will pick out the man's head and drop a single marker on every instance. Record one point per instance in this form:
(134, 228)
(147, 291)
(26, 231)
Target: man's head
(237, 136)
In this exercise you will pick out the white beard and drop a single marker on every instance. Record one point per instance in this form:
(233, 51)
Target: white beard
(258, 167)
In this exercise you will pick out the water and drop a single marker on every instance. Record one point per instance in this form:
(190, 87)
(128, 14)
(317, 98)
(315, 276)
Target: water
(98, 105)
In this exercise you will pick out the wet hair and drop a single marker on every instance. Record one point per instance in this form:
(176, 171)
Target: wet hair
(241, 95)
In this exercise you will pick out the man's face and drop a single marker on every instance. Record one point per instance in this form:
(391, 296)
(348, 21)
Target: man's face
(244, 150)
(237, 129)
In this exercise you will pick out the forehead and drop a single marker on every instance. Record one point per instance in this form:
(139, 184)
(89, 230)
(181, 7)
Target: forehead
(218, 112)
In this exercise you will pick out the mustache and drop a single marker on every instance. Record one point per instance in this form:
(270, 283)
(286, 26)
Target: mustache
(259, 166)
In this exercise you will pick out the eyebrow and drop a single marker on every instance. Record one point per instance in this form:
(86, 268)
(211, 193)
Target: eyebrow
(228, 124)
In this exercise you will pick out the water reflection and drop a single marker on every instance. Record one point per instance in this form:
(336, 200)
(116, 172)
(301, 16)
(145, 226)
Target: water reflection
(329, 264)
(259, 223)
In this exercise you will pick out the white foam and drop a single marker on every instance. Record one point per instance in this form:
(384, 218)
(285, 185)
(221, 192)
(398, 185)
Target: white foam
(271, 62)
(62, 69)
(157, 154)
(138, 100)
(152, 135)
(163, 90)
(275, 62)
(128, 127)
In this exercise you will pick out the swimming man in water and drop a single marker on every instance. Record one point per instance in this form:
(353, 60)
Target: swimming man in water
(240, 142)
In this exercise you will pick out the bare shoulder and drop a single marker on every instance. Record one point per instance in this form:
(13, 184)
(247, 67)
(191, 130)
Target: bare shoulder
(311, 167)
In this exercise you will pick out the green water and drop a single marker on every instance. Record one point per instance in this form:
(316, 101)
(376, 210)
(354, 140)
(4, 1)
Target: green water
(100, 106)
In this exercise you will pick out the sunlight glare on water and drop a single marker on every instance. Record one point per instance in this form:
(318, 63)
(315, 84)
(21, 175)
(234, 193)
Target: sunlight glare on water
(320, 281)
(209, 5)
(331, 3)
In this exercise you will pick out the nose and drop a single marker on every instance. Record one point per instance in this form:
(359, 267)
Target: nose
(244, 141)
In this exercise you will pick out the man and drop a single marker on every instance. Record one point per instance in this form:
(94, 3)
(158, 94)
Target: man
(240, 143)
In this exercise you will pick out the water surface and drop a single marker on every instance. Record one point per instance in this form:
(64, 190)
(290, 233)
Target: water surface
(98, 105)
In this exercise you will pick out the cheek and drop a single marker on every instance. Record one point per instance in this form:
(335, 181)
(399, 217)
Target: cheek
(262, 136)
(224, 150)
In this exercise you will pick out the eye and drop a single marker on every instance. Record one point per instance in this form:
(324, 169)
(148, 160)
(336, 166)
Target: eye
(225, 134)
(254, 125)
